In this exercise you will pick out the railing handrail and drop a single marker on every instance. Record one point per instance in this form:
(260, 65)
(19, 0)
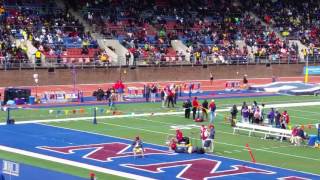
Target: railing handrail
(166, 61)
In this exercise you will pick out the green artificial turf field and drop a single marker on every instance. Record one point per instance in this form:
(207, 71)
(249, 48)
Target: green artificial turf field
(156, 129)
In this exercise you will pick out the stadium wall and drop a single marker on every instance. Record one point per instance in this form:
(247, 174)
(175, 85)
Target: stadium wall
(103, 75)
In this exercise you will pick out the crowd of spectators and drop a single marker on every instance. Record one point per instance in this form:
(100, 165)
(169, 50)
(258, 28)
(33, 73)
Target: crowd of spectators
(10, 54)
(212, 30)
(209, 29)
(294, 19)
(52, 30)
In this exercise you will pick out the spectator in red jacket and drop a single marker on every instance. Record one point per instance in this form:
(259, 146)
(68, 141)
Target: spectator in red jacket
(179, 135)
(195, 106)
(170, 98)
(285, 120)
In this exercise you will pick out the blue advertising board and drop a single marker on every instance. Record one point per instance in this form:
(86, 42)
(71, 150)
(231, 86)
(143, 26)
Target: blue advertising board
(312, 70)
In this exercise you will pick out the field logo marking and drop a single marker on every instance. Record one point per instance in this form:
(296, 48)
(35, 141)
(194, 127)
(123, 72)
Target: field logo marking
(293, 178)
(201, 168)
(104, 152)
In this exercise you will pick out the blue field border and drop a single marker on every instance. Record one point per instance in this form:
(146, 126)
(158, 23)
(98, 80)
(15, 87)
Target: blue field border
(31, 136)
(28, 172)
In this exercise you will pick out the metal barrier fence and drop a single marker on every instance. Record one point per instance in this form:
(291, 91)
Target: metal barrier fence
(165, 61)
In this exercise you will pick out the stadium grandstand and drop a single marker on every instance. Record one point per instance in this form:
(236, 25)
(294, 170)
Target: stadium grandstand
(153, 32)
(159, 89)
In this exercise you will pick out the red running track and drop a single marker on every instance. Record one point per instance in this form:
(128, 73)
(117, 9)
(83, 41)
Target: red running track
(218, 84)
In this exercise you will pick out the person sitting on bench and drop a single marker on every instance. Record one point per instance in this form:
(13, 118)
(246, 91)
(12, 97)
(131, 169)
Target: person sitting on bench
(172, 144)
(137, 147)
(301, 136)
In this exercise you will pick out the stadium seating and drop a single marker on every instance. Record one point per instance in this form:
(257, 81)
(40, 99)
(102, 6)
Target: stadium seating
(211, 30)
(205, 26)
(10, 54)
(54, 33)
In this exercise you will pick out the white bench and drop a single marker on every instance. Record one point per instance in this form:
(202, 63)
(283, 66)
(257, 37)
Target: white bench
(265, 130)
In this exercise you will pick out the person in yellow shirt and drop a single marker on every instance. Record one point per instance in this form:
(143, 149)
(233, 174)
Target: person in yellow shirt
(104, 58)
(30, 37)
(197, 56)
(38, 57)
(2, 10)
(215, 49)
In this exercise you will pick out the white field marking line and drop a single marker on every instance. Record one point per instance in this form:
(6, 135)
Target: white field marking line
(179, 124)
(303, 117)
(276, 102)
(72, 163)
(166, 146)
(176, 124)
(278, 147)
(217, 131)
(229, 152)
(143, 119)
(257, 149)
(160, 114)
(238, 151)
(293, 104)
(98, 117)
(160, 122)
(311, 112)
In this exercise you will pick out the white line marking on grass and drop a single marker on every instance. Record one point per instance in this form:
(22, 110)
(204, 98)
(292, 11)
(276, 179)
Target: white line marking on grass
(237, 151)
(72, 163)
(257, 149)
(166, 146)
(305, 111)
(159, 114)
(98, 117)
(227, 152)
